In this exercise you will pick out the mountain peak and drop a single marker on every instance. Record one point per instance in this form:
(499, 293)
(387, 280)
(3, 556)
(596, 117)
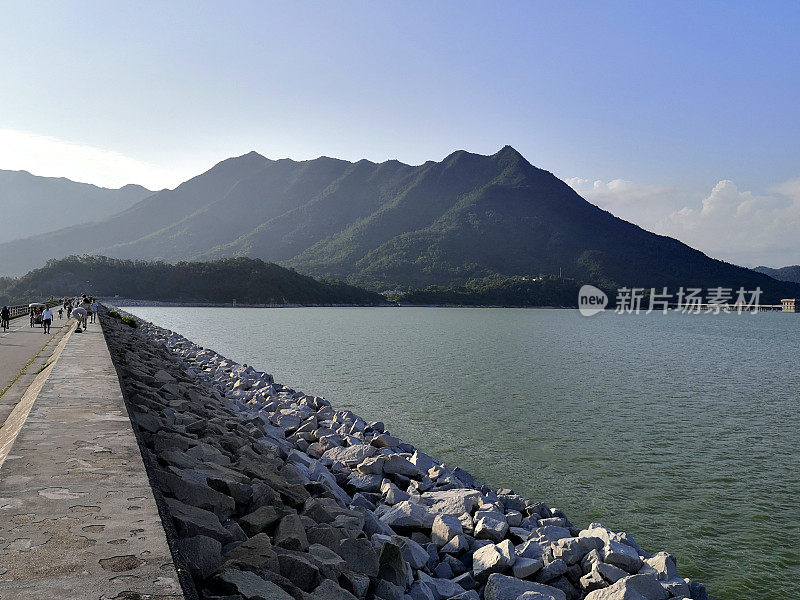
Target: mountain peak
(509, 152)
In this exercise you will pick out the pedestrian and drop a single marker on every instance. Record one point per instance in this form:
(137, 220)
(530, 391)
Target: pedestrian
(5, 316)
(86, 305)
(95, 306)
(60, 313)
(33, 316)
(47, 319)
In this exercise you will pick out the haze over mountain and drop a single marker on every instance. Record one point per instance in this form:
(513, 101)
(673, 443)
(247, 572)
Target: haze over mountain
(392, 225)
(33, 204)
(791, 273)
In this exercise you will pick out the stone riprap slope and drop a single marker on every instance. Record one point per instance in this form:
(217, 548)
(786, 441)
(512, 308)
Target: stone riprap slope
(274, 494)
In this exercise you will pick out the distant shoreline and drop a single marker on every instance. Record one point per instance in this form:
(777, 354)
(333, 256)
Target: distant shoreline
(159, 303)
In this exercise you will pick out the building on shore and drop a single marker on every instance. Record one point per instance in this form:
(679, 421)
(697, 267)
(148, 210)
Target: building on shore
(790, 305)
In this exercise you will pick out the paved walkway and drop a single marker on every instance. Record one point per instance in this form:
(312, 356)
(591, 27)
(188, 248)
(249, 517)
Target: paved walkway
(19, 344)
(19, 347)
(77, 515)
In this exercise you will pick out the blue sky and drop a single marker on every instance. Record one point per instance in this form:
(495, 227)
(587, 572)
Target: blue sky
(682, 117)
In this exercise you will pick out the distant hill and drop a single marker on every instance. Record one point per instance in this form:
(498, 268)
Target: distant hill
(394, 226)
(249, 281)
(783, 274)
(33, 204)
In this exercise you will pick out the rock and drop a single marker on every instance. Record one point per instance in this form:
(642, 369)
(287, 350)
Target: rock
(255, 553)
(300, 570)
(373, 524)
(405, 516)
(364, 483)
(195, 494)
(414, 554)
(164, 377)
(553, 533)
(491, 527)
(360, 556)
(257, 521)
(392, 567)
(372, 466)
(330, 564)
(350, 456)
(385, 440)
(487, 560)
(291, 534)
(526, 567)
(662, 565)
(467, 595)
(249, 585)
(445, 527)
(208, 454)
(441, 588)
(621, 555)
(506, 548)
(610, 573)
(386, 590)
(551, 571)
(420, 591)
(634, 587)
(443, 571)
(355, 583)
(592, 581)
(201, 553)
(514, 518)
(191, 521)
(573, 549)
(394, 495)
(465, 580)
(328, 590)
(452, 502)
(502, 587)
(396, 464)
(422, 461)
(458, 545)
(698, 591)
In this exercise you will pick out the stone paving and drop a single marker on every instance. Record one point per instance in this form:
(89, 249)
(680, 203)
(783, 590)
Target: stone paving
(77, 513)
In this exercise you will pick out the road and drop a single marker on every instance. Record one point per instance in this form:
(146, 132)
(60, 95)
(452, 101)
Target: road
(18, 346)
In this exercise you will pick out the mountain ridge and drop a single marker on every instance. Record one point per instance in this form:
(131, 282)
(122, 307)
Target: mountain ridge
(56, 199)
(389, 225)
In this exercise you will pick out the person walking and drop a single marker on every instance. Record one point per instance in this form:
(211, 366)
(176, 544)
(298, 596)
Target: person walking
(33, 316)
(60, 313)
(47, 319)
(95, 306)
(5, 316)
(69, 309)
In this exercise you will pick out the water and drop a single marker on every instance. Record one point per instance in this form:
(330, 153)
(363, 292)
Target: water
(682, 430)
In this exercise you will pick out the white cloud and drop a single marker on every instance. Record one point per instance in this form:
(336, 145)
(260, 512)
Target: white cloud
(53, 157)
(738, 226)
(644, 205)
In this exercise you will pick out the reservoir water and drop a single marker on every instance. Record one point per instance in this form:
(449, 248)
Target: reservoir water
(683, 430)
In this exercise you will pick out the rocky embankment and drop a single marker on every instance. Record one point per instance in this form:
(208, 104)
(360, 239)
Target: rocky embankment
(274, 494)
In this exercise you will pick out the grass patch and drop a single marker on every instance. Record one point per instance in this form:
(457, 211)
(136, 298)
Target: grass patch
(130, 321)
(114, 314)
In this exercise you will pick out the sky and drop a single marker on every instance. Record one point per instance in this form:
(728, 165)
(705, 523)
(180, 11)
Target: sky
(681, 117)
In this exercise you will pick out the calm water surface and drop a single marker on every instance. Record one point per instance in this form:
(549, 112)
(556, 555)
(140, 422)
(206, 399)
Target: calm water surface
(682, 430)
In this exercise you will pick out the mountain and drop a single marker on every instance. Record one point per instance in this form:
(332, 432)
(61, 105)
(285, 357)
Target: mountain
(392, 225)
(783, 274)
(249, 281)
(33, 204)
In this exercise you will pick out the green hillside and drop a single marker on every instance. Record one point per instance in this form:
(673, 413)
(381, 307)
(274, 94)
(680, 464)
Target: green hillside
(249, 281)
